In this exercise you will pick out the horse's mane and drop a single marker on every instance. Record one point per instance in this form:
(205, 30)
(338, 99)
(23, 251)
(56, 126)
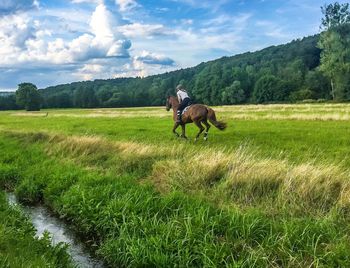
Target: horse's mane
(173, 97)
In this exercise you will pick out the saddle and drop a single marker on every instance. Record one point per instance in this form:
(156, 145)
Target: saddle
(186, 108)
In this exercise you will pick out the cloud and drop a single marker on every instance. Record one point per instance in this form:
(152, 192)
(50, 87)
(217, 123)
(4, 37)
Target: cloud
(90, 71)
(105, 68)
(126, 5)
(272, 29)
(13, 6)
(153, 58)
(104, 26)
(87, 1)
(15, 30)
(24, 43)
(34, 44)
(144, 30)
(146, 63)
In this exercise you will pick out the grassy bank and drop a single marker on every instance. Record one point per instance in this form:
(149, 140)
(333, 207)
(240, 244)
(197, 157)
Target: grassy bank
(106, 190)
(18, 245)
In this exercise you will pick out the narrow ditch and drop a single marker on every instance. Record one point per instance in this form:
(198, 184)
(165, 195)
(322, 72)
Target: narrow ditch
(59, 231)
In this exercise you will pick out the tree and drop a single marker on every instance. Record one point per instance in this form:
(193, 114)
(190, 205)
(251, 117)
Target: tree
(8, 102)
(28, 97)
(268, 88)
(155, 92)
(104, 93)
(85, 98)
(303, 94)
(334, 15)
(201, 91)
(318, 83)
(119, 99)
(233, 94)
(335, 45)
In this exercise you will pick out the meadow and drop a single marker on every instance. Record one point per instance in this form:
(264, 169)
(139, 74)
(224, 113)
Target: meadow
(271, 190)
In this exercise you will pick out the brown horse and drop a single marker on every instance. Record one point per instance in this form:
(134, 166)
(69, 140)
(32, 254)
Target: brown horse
(196, 113)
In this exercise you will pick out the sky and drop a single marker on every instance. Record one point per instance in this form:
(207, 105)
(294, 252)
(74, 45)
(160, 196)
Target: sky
(50, 42)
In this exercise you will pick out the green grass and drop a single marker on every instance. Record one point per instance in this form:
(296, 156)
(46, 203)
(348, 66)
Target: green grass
(267, 192)
(18, 245)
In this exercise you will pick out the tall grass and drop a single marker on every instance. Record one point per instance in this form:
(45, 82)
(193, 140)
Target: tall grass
(129, 223)
(228, 177)
(243, 178)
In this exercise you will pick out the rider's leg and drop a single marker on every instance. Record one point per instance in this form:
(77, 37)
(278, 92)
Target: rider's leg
(178, 120)
(182, 106)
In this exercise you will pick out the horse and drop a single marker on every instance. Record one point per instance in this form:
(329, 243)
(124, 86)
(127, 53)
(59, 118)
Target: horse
(196, 113)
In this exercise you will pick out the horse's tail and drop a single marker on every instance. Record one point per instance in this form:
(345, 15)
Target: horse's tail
(212, 118)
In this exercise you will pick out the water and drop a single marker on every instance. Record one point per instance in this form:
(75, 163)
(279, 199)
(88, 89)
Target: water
(60, 232)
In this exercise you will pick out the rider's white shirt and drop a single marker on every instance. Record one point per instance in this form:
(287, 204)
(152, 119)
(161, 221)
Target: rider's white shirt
(181, 95)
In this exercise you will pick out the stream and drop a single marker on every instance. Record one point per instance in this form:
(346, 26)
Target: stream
(59, 231)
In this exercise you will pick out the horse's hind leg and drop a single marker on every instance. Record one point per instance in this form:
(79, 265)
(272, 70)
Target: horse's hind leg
(206, 130)
(201, 129)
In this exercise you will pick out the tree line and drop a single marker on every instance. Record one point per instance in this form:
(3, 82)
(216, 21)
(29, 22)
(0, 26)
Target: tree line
(311, 68)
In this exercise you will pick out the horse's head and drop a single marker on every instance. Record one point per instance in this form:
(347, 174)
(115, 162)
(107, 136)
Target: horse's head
(168, 103)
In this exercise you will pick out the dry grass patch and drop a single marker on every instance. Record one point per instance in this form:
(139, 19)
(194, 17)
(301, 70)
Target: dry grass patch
(115, 115)
(317, 185)
(240, 176)
(192, 172)
(293, 116)
(33, 114)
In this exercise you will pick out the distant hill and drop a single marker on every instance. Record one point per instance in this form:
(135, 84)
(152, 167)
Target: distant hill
(281, 73)
(6, 93)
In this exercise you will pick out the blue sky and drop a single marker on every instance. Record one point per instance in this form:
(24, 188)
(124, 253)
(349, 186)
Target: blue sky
(50, 42)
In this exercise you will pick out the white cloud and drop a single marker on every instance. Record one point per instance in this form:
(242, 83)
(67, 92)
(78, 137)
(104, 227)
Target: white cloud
(102, 22)
(144, 30)
(24, 43)
(15, 30)
(104, 26)
(89, 71)
(87, 1)
(186, 21)
(126, 5)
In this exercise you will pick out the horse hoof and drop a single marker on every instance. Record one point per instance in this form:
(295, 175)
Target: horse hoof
(205, 138)
(195, 139)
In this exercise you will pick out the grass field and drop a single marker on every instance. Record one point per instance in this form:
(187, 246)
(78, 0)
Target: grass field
(271, 190)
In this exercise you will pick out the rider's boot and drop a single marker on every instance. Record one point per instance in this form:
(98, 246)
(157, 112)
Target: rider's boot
(178, 120)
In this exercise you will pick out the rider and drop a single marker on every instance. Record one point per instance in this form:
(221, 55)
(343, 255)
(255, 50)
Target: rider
(184, 101)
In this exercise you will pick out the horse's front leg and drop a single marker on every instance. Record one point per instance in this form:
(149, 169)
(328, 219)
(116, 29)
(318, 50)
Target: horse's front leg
(183, 135)
(176, 125)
